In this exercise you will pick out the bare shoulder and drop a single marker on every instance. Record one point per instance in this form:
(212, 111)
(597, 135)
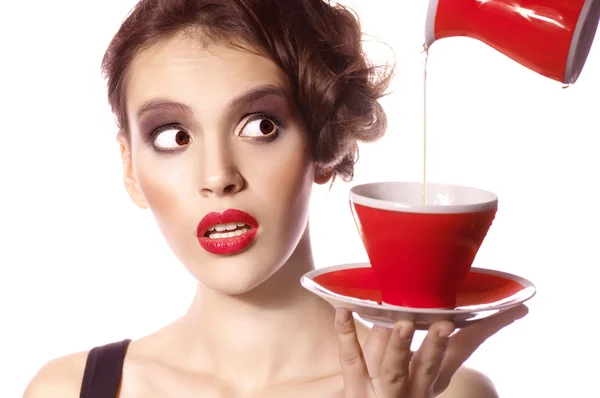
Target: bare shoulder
(469, 383)
(60, 377)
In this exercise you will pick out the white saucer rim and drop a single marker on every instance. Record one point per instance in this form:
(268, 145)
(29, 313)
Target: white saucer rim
(529, 290)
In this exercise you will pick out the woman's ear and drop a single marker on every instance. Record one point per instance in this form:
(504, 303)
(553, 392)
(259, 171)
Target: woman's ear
(131, 183)
(323, 175)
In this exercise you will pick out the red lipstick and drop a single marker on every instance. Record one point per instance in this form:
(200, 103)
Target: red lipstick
(226, 233)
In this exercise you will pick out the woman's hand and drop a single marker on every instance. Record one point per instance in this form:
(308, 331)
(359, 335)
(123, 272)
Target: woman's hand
(385, 367)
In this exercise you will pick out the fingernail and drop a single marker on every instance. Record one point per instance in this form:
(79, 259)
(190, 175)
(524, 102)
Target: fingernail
(405, 332)
(444, 332)
(522, 312)
(343, 315)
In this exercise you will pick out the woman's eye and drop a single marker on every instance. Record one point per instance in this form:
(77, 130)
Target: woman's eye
(171, 138)
(260, 127)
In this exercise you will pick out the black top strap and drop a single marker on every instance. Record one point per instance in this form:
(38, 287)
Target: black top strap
(102, 375)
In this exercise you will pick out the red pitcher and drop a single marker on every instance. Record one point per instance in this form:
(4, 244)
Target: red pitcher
(550, 37)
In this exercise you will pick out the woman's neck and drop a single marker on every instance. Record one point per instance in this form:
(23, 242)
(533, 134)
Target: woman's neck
(277, 333)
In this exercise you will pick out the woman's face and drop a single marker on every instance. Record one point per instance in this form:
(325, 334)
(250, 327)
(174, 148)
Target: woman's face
(213, 128)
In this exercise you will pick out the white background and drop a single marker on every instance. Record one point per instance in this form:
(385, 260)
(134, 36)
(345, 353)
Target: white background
(81, 266)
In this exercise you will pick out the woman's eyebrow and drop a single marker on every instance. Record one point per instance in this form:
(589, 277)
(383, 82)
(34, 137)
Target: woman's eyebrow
(255, 94)
(164, 105)
(241, 101)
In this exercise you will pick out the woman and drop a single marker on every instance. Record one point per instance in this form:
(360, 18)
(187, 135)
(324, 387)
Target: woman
(228, 112)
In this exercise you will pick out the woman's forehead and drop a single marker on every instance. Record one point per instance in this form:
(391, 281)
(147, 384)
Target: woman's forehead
(188, 71)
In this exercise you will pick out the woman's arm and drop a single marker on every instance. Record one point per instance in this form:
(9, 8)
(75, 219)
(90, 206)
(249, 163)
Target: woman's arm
(59, 378)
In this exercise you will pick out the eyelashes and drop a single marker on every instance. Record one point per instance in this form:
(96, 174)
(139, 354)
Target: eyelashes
(254, 128)
(179, 139)
(267, 129)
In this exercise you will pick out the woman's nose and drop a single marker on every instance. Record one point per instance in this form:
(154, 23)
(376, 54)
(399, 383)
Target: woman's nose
(220, 175)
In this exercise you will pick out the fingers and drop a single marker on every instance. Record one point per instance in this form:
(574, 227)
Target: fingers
(357, 383)
(427, 361)
(401, 373)
(464, 342)
(394, 375)
(374, 348)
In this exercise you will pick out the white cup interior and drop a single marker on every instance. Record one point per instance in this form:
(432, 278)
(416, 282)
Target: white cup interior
(407, 197)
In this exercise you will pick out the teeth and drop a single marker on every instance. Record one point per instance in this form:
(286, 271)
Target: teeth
(231, 234)
(225, 227)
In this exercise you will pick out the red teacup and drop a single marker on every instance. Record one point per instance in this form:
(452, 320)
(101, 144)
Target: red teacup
(421, 253)
(550, 37)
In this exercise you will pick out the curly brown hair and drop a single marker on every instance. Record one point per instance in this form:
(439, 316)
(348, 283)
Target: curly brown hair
(318, 46)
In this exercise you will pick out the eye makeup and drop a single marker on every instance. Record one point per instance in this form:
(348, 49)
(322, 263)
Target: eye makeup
(154, 123)
(151, 138)
(280, 127)
(265, 102)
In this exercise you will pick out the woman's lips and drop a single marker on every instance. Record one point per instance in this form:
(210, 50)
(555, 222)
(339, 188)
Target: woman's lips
(227, 233)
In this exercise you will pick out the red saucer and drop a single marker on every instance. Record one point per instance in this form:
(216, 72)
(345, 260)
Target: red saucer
(485, 293)
(479, 288)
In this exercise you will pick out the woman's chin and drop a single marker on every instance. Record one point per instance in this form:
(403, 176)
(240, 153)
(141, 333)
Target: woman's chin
(234, 282)
(240, 273)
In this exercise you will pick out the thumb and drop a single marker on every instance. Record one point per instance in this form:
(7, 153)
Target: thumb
(464, 342)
